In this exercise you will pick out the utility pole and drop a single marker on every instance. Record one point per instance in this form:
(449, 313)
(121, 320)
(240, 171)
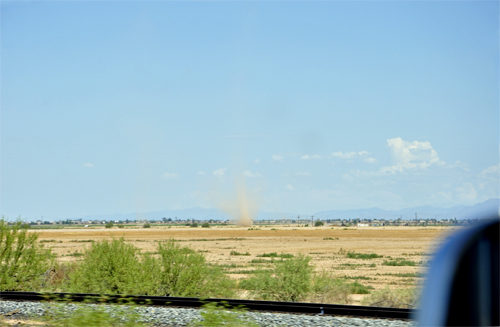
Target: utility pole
(312, 221)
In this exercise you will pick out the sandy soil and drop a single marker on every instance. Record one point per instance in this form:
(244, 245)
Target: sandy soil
(327, 246)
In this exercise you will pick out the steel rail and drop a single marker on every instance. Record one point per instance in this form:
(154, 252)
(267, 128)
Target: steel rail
(288, 307)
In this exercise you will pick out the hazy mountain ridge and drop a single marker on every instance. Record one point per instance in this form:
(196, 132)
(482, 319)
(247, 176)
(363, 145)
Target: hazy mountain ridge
(488, 207)
(478, 210)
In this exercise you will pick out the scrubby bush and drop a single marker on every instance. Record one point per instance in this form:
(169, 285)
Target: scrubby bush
(290, 280)
(365, 256)
(146, 225)
(193, 225)
(326, 288)
(23, 261)
(399, 262)
(205, 225)
(318, 223)
(109, 224)
(111, 267)
(180, 271)
(398, 298)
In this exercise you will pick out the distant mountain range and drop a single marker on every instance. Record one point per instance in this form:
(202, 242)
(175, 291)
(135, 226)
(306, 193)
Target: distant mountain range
(479, 210)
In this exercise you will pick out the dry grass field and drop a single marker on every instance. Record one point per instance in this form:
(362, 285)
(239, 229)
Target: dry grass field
(240, 249)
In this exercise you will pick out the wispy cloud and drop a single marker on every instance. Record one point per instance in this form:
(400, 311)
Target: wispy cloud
(364, 155)
(257, 161)
(277, 157)
(491, 170)
(303, 173)
(467, 192)
(289, 187)
(88, 165)
(341, 155)
(169, 176)
(249, 174)
(310, 157)
(201, 173)
(219, 172)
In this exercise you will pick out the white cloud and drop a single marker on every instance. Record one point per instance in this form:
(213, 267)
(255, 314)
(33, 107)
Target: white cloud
(249, 174)
(169, 176)
(365, 155)
(219, 172)
(370, 160)
(201, 173)
(341, 155)
(412, 155)
(257, 161)
(495, 169)
(467, 192)
(302, 173)
(308, 157)
(289, 187)
(407, 156)
(277, 158)
(88, 165)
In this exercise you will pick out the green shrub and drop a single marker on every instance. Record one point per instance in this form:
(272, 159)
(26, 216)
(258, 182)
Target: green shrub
(318, 223)
(120, 226)
(180, 271)
(290, 280)
(193, 225)
(23, 261)
(205, 225)
(238, 253)
(399, 262)
(326, 288)
(109, 224)
(365, 256)
(357, 288)
(399, 298)
(111, 267)
(214, 315)
(146, 225)
(275, 255)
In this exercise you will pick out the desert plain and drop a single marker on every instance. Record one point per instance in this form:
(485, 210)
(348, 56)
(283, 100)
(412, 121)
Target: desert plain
(240, 249)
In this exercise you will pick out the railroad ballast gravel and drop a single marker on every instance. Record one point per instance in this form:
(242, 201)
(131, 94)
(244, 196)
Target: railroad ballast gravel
(180, 317)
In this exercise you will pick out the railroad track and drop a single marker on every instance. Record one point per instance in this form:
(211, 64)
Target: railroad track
(288, 307)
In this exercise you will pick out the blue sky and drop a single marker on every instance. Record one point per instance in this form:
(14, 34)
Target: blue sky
(119, 107)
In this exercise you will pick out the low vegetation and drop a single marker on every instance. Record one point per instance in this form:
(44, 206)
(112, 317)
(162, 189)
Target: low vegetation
(364, 256)
(275, 255)
(399, 298)
(119, 267)
(23, 260)
(399, 262)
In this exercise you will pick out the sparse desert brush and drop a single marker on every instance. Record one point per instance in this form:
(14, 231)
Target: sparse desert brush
(180, 271)
(326, 288)
(111, 267)
(364, 256)
(290, 280)
(398, 298)
(23, 260)
(399, 262)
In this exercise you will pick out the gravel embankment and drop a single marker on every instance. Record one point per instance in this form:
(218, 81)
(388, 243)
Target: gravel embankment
(180, 317)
